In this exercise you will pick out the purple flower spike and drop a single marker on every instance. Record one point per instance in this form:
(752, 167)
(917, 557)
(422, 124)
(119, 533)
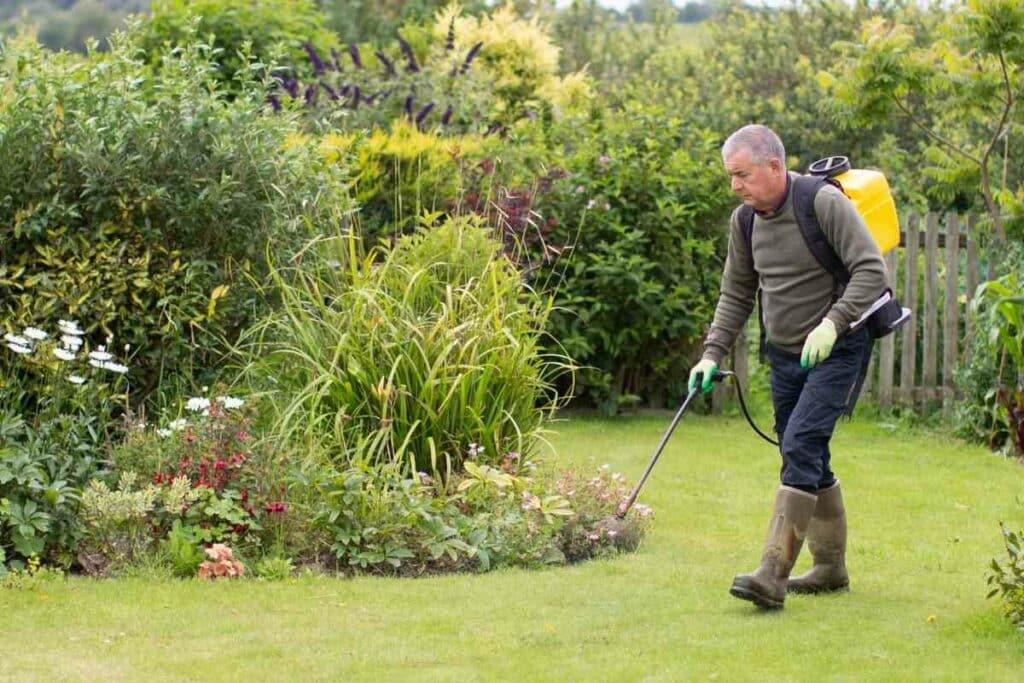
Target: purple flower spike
(423, 114)
(291, 86)
(356, 95)
(388, 64)
(412, 66)
(408, 106)
(353, 51)
(447, 115)
(336, 59)
(310, 93)
(471, 55)
(331, 92)
(449, 43)
(318, 64)
(275, 103)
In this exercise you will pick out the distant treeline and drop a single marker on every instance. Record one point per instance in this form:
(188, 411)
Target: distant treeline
(68, 24)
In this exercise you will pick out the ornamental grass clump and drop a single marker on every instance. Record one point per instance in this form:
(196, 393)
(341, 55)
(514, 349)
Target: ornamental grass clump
(405, 355)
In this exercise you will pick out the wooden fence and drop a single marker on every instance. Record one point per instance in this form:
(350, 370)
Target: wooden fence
(935, 272)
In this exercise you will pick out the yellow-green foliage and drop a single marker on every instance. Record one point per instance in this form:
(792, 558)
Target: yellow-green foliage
(402, 172)
(518, 54)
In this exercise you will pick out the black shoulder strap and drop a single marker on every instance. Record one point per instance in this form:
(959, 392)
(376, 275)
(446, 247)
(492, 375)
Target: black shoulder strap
(746, 219)
(805, 189)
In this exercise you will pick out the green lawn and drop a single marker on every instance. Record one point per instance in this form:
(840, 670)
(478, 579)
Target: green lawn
(923, 514)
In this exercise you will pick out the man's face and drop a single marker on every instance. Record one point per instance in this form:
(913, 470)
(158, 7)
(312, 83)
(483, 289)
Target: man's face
(759, 185)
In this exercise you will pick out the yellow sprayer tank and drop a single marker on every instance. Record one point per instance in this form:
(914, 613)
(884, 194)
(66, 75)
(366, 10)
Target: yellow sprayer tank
(869, 192)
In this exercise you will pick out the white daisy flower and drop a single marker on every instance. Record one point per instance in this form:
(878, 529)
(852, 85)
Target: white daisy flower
(17, 348)
(230, 403)
(71, 341)
(96, 363)
(116, 367)
(177, 424)
(64, 354)
(163, 433)
(70, 327)
(101, 354)
(17, 339)
(35, 333)
(76, 379)
(195, 404)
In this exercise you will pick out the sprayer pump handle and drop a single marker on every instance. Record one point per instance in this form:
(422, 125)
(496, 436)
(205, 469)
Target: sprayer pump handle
(829, 166)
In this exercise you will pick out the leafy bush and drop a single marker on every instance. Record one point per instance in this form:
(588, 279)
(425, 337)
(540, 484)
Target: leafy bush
(405, 356)
(595, 530)
(642, 208)
(1006, 576)
(136, 201)
(242, 33)
(118, 524)
(455, 75)
(432, 87)
(991, 409)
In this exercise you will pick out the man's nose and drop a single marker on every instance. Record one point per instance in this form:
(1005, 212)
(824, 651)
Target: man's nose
(736, 184)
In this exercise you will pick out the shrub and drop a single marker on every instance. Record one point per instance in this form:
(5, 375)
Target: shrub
(991, 409)
(641, 208)
(595, 530)
(1006, 576)
(143, 198)
(455, 75)
(405, 356)
(242, 33)
(118, 524)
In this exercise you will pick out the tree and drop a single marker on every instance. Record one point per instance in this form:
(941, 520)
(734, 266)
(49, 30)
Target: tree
(961, 91)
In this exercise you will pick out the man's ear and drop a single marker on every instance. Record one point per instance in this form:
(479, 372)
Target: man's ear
(776, 165)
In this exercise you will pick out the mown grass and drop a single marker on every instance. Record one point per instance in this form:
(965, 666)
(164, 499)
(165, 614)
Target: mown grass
(923, 513)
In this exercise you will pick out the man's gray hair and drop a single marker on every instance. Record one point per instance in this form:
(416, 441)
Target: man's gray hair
(762, 142)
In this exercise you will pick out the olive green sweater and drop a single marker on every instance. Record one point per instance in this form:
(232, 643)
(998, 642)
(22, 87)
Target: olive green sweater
(796, 291)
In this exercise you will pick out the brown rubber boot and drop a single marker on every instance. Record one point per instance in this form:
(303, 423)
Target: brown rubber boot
(826, 538)
(766, 585)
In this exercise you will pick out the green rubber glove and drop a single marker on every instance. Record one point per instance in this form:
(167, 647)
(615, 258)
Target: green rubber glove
(819, 344)
(704, 373)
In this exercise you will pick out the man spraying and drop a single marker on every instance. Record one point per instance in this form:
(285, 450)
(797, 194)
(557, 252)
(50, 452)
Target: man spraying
(816, 360)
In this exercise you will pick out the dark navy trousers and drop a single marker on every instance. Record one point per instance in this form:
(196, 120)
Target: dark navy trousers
(808, 403)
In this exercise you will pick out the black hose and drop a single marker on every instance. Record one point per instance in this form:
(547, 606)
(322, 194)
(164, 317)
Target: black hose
(743, 405)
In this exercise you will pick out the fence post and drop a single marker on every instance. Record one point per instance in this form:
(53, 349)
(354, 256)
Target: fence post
(929, 363)
(908, 359)
(973, 274)
(951, 317)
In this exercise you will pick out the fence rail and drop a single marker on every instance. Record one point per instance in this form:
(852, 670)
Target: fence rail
(935, 271)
